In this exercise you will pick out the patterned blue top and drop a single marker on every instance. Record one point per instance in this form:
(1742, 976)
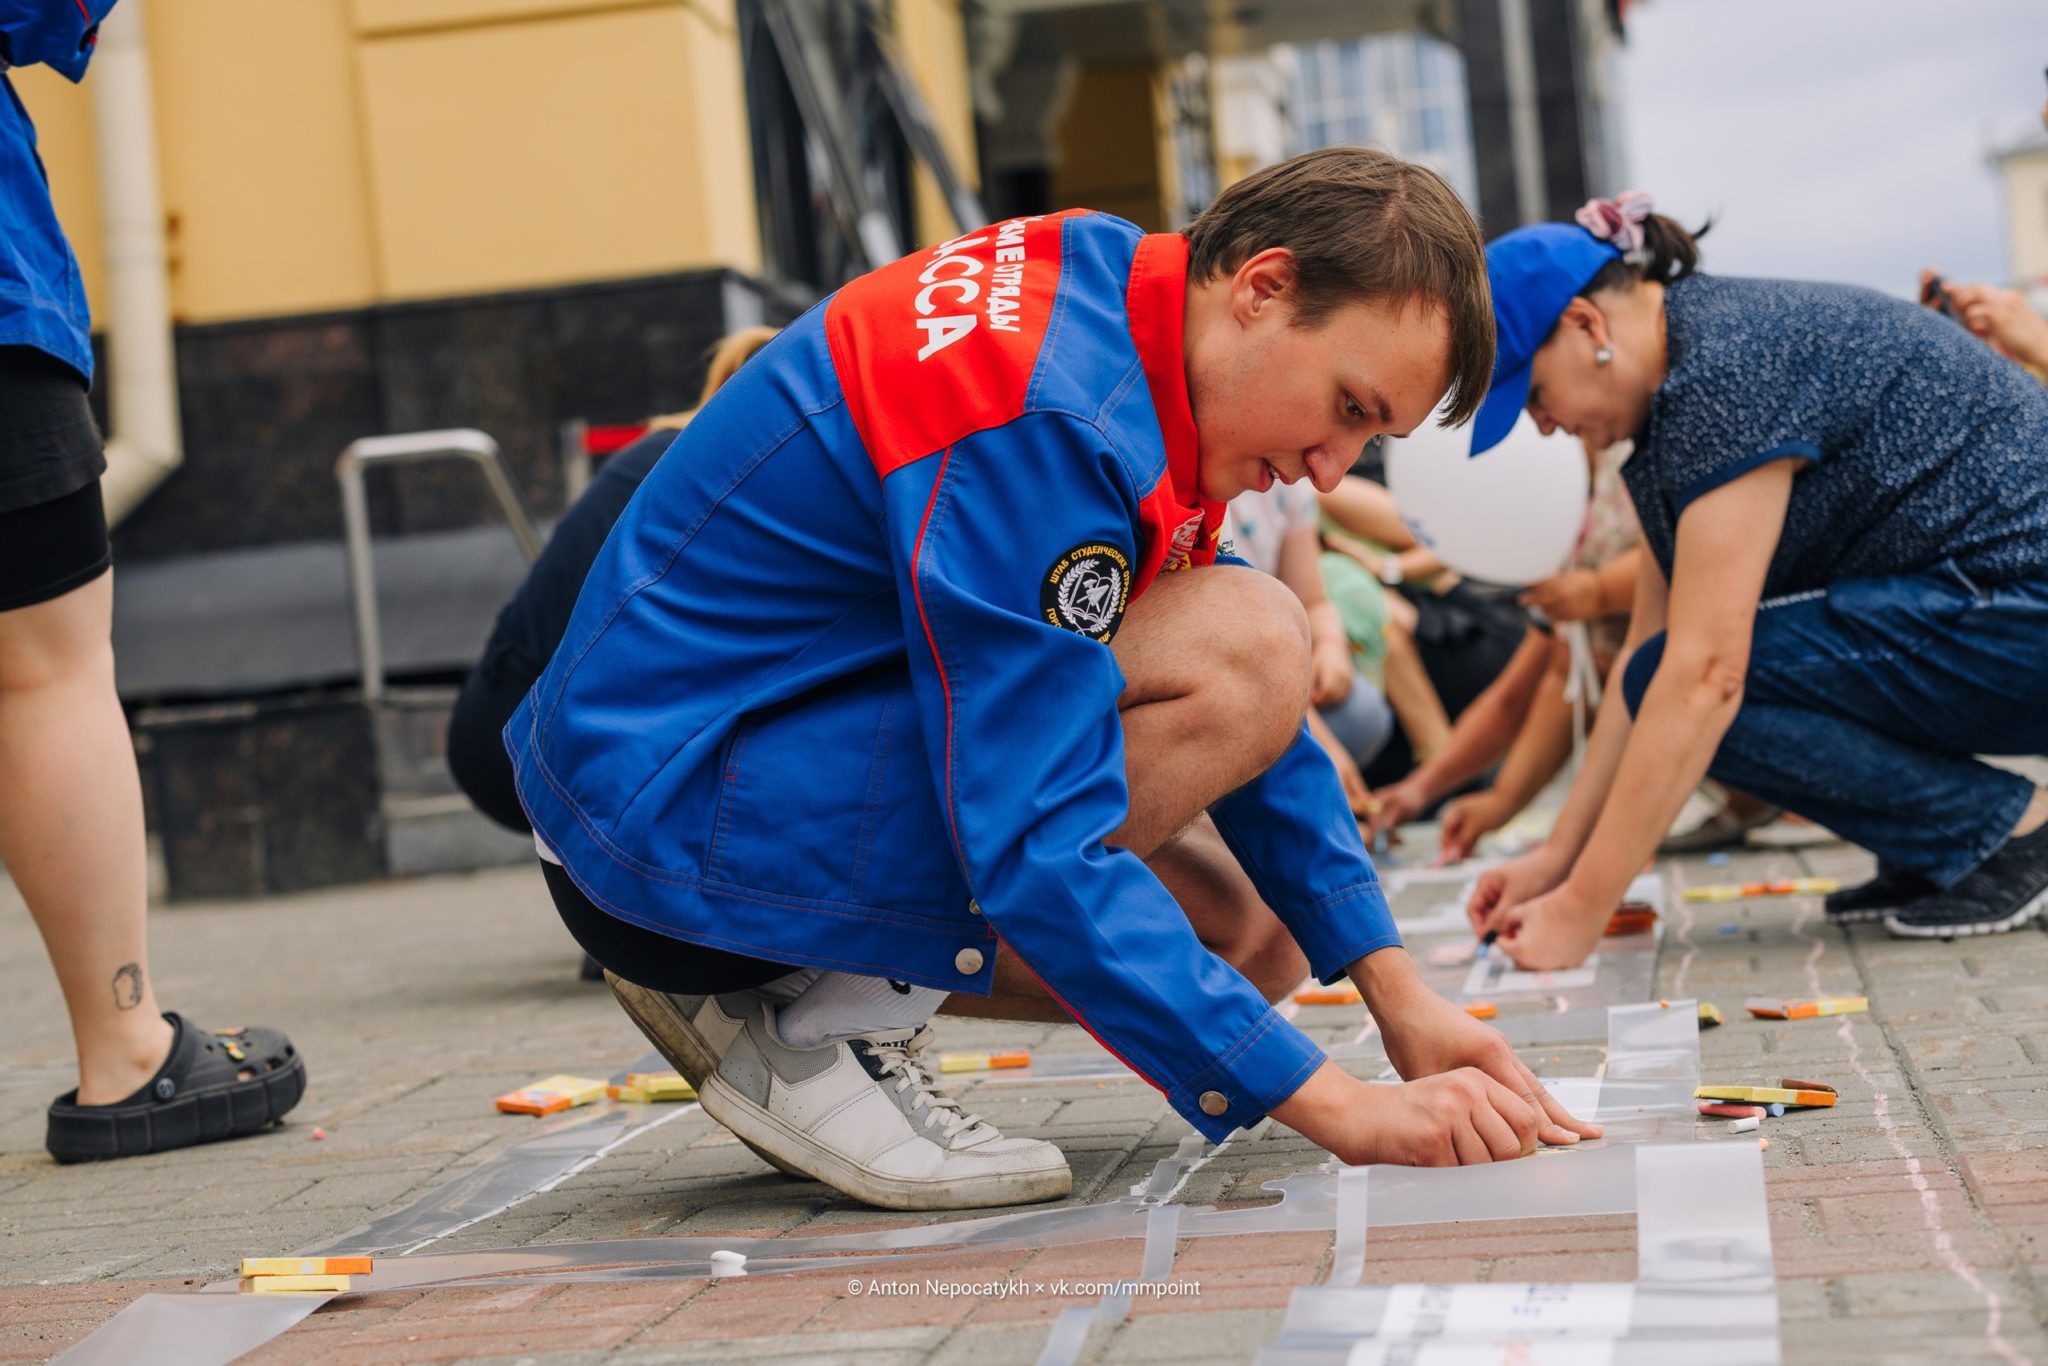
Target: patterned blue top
(1927, 445)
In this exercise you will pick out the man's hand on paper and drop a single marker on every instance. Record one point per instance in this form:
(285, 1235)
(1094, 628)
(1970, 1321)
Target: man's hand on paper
(1427, 1036)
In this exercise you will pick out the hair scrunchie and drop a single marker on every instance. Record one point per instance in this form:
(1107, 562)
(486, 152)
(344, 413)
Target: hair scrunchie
(1620, 221)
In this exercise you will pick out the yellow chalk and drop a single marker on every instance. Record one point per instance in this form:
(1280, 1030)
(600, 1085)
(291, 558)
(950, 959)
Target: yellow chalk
(1765, 1095)
(661, 1085)
(632, 1095)
(306, 1266)
(551, 1094)
(1710, 1015)
(984, 1062)
(272, 1285)
(1732, 891)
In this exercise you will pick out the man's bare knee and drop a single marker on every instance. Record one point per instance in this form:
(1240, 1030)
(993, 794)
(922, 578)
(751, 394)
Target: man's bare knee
(1263, 673)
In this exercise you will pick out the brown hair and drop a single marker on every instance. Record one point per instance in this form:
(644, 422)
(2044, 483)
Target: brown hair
(728, 354)
(1669, 253)
(1363, 225)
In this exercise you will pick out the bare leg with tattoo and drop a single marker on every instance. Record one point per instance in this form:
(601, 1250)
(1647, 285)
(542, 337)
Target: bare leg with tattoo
(71, 831)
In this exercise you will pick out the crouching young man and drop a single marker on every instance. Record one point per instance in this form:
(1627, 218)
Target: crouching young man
(909, 673)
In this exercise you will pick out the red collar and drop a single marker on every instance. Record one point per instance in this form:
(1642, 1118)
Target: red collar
(1156, 304)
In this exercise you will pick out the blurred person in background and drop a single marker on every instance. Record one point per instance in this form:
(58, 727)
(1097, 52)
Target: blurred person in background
(2001, 317)
(1846, 593)
(1523, 721)
(71, 825)
(530, 626)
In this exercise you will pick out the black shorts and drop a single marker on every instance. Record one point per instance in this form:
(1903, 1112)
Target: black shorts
(651, 960)
(53, 526)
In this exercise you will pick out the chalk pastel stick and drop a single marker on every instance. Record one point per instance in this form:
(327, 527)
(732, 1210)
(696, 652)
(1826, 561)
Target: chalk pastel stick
(1634, 917)
(984, 1062)
(1482, 1010)
(273, 1285)
(1776, 1008)
(1764, 1095)
(306, 1266)
(1328, 996)
(1724, 1110)
(661, 1085)
(1710, 1015)
(551, 1094)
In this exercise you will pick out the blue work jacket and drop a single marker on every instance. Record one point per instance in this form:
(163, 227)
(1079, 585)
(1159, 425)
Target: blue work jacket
(838, 690)
(42, 299)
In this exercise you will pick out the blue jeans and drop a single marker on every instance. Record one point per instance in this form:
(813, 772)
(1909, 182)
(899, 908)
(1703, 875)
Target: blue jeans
(1362, 722)
(1864, 705)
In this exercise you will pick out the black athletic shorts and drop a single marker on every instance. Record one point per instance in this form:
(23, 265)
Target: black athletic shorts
(651, 960)
(53, 526)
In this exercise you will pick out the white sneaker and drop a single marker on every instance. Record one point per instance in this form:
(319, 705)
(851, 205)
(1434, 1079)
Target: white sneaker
(692, 1032)
(866, 1118)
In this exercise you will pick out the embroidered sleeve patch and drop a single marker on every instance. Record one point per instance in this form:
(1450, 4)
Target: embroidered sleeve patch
(1087, 589)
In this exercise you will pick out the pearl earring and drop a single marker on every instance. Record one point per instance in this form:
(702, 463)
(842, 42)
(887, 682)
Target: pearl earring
(1603, 356)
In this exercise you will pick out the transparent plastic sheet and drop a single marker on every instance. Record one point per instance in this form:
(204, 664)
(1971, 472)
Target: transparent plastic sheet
(1705, 1288)
(1647, 1047)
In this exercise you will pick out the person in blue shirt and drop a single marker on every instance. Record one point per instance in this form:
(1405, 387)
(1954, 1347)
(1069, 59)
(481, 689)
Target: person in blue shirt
(71, 832)
(910, 673)
(1845, 501)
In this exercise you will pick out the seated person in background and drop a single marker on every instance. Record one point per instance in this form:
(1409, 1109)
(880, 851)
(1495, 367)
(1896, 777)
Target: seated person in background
(1525, 715)
(2001, 317)
(531, 625)
(1369, 551)
(1274, 532)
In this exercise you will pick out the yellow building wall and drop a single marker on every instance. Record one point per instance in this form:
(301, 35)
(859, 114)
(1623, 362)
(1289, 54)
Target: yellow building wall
(2026, 214)
(1112, 149)
(320, 154)
(575, 147)
(931, 42)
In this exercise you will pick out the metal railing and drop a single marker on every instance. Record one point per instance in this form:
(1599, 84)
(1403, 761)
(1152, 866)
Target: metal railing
(412, 448)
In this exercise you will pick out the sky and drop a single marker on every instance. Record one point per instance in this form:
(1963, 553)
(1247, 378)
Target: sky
(1833, 139)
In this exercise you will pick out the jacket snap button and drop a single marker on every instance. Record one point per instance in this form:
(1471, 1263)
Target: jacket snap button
(973, 906)
(968, 961)
(165, 1088)
(1213, 1103)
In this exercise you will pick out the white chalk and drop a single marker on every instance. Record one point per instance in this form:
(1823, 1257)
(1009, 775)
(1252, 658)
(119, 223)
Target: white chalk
(724, 1263)
(1743, 1126)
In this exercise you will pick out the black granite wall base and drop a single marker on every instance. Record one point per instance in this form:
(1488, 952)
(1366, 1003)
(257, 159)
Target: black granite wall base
(255, 799)
(268, 405)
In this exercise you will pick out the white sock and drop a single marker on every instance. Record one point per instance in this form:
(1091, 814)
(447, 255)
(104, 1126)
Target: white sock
(840, 1005)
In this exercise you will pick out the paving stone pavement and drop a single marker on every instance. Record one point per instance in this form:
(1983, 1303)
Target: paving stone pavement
(1910, 1224)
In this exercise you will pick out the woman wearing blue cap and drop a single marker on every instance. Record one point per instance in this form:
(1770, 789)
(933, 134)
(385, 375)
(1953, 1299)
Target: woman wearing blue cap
(1845, 499)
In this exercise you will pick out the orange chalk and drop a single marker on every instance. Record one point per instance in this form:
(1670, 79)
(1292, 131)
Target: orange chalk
(1777, 1008)
(307, 1266)
(550, 1095)
(1482, 1010)
(1328, 996)
(1634, 917)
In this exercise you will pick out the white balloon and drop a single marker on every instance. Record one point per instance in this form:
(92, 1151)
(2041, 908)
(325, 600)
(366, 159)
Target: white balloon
(1509, 516)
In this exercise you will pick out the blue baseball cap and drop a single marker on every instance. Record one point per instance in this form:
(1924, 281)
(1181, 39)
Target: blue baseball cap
(1534, 272)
